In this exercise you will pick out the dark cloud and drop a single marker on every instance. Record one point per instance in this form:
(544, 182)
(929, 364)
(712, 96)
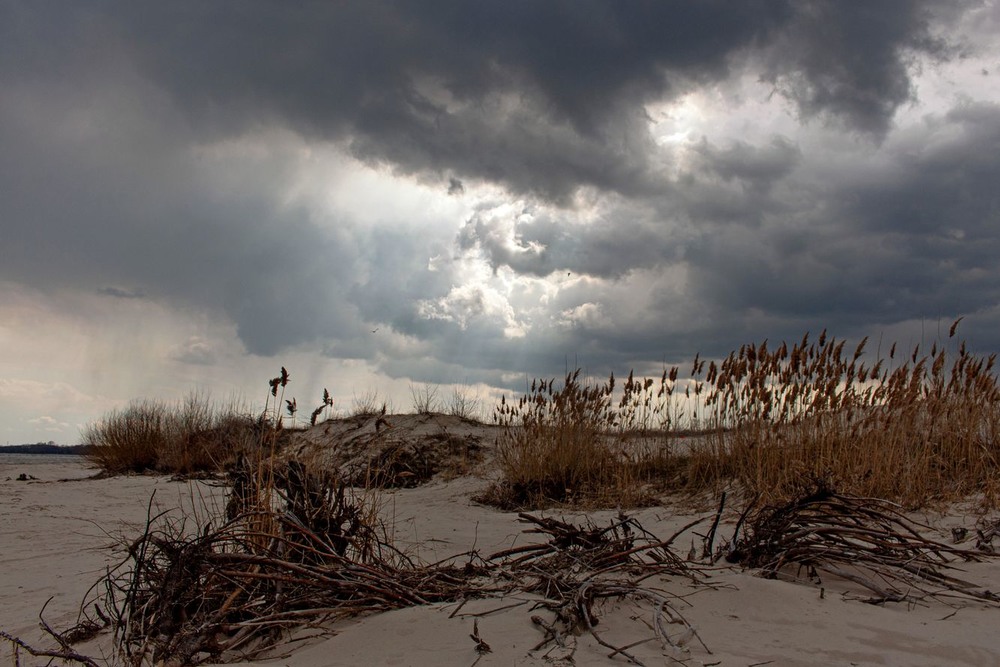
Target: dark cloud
(91, 200)
(545, 97)
(905, 240)
(852, 60)
(113, 113)
(119, 293)
(756, 167)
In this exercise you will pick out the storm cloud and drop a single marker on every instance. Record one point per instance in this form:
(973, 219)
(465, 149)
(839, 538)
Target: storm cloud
(449, 191)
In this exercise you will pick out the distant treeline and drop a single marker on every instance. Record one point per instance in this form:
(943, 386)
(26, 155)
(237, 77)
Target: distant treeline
(45, 448)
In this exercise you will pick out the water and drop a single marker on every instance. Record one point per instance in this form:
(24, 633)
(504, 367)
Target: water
(44, 467)
(40, 459)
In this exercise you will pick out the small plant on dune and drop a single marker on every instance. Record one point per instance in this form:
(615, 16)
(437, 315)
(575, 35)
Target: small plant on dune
(326, 405)
(369, 404)
(425, 399)
(464, 405)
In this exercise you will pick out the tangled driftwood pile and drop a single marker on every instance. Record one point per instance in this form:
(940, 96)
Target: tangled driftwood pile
(864, 540)
(316, 552)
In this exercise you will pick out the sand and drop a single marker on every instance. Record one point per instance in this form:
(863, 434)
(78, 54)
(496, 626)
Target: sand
(58, 531)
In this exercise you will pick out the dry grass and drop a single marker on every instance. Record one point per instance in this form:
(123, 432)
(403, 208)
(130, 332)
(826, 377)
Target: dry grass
(195, 435)
(577, 444)
(192, 436)
(464, 404)
(914, 429)
(425, 399)
(369, 404)
(297, 545)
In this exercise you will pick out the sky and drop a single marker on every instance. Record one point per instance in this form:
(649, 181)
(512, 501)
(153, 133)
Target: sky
(382, 196)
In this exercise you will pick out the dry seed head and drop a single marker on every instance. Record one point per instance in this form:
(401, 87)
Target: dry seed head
(954, 326)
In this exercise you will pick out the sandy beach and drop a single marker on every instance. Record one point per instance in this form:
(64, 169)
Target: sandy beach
(59, 530)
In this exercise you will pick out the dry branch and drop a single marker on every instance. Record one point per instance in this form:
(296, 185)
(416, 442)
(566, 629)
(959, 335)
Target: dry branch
(299, 549)
(864, 540)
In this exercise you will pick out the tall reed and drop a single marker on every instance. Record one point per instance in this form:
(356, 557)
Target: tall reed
(582, 442)
(911, 428)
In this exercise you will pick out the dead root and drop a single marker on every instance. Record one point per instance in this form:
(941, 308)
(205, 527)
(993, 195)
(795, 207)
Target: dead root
(311, 552)
(864, 540)
(581, 566)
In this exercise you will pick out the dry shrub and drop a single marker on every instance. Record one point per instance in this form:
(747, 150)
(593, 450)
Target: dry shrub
(425, 399)
(464, 404)
(296, 545)
(913, 429)
(307, 550)
(130, 439)
(577, 444)
(368, 404)
(193, 436)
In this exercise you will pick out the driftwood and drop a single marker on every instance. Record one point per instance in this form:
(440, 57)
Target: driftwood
(580, 566)
(299, 549)
(864, 540)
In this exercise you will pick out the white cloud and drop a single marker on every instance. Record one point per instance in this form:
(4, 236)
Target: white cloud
(195, 350)
(466, 304)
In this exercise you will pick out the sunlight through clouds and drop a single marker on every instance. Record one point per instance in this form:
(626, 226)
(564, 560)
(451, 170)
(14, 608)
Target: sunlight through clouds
(443, 192)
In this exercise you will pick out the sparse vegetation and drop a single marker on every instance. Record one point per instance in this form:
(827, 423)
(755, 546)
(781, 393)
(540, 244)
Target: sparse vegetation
(425, 399)
(911, 428)
(465, 405)
(369, 404)
(819, 440)
(308, 550)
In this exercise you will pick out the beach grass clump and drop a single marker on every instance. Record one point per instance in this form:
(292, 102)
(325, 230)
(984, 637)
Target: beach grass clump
(129, 439)
(582, 442)
(154, 436)
(912, 429)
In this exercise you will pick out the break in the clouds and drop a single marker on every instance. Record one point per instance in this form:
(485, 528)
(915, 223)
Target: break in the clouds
(397, 192)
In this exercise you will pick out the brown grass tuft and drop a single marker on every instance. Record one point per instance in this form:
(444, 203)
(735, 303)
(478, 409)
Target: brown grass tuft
(192, 436)
(575, 444)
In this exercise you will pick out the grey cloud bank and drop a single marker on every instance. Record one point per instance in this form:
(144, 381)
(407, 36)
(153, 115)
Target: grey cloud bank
(470, 192)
